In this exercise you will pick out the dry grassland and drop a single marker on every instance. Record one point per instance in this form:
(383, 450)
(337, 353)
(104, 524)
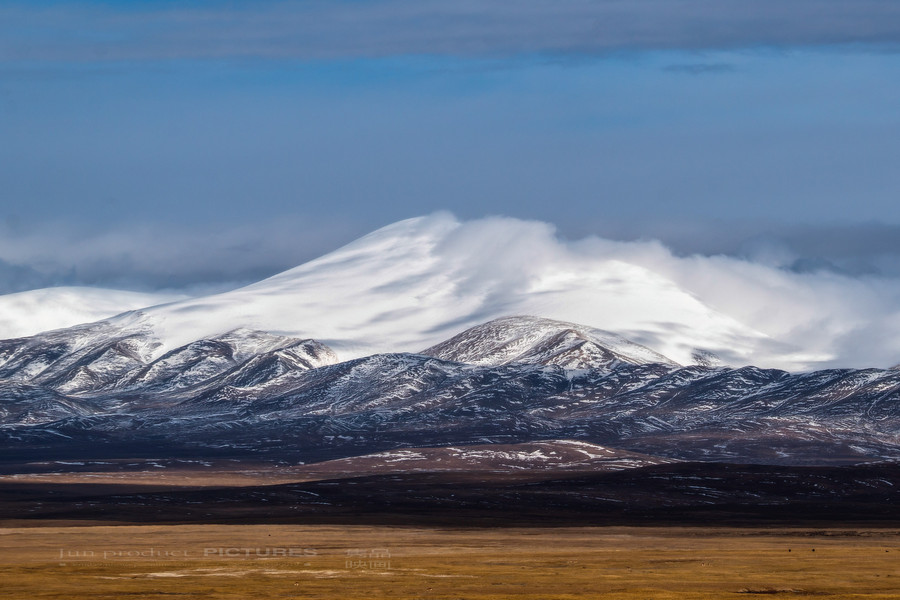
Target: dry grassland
(350, 562)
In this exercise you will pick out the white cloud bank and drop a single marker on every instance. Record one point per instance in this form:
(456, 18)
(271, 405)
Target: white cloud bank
(27, 313)
(831, 319)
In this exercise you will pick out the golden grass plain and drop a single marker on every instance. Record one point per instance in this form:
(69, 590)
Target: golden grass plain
(106, 562)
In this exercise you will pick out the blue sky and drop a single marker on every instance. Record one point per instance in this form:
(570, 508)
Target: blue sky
(252, 136)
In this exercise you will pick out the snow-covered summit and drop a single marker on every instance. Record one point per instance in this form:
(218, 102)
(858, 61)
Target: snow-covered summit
(416, 283)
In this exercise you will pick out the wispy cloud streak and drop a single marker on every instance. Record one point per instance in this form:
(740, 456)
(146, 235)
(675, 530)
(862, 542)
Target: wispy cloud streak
(336, 30)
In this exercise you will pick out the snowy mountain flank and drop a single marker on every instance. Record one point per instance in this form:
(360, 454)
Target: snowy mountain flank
(419, 336)
(513, 380)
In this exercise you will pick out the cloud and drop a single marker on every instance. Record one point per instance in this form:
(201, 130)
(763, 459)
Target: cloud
(17, 278)
(163, 255)
(834, 318)
(322, 29)
(813, 318)
(28, 313)
(852, 249)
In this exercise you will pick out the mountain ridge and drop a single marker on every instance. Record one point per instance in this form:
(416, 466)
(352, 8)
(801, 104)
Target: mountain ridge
(292, 399)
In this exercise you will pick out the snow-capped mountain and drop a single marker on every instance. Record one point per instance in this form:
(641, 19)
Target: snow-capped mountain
(404, 339)
(416, 283)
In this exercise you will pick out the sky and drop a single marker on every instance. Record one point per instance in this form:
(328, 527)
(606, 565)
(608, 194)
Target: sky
(195, 146)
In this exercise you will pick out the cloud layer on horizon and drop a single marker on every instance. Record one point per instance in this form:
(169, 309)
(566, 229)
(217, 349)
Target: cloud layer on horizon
(194, 259)
(322, 30)
(156, 256)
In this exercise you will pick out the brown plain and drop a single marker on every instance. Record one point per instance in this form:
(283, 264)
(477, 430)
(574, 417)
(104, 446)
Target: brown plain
(432, 563)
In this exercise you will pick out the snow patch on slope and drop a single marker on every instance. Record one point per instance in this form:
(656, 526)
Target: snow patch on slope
(542, 455)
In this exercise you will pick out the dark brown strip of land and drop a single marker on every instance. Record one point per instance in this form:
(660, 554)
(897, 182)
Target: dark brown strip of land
(682, 494)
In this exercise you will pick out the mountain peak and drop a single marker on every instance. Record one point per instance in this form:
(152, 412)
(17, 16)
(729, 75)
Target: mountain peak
(534, 340)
